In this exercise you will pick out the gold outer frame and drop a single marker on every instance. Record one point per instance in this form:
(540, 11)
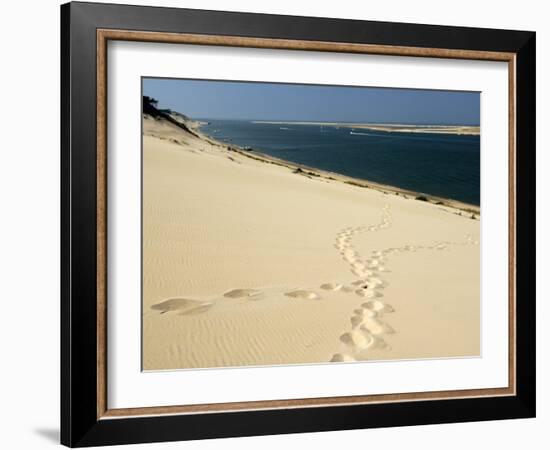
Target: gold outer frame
(105, 35)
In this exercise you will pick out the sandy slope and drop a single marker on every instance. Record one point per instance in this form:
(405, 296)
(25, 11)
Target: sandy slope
(249, 263)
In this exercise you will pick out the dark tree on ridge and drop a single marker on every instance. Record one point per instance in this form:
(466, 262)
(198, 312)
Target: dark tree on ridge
(150, 106)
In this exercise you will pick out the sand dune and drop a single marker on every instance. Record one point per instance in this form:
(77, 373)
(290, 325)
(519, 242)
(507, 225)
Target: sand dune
(246, 262)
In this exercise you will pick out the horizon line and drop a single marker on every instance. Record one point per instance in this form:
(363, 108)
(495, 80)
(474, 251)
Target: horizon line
(333, 122)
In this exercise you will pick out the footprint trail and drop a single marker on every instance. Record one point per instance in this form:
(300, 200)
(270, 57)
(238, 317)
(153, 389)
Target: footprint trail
(368, 327)
(368, 323)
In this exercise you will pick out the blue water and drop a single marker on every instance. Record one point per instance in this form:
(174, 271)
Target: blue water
(434, 164)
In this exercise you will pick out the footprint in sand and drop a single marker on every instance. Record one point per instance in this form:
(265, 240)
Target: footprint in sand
(368, 293)
(350, 254)
(358, 272)
(364, 312)
(303, 294)
(240, 293)
(356, 321)
(376, 326)
(360, 315)
(378, 306)
(341, 357)
(357, 339)
(358, 265)
(331, 286)
(182, 306)
(374, 282)
(377, 344)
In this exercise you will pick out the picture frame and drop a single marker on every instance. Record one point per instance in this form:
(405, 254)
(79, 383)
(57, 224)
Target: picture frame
(86, 29)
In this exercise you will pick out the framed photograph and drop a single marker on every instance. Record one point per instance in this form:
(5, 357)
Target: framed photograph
(276, 224)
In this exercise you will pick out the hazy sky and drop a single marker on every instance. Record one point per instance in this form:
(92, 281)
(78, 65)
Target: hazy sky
(273, 101)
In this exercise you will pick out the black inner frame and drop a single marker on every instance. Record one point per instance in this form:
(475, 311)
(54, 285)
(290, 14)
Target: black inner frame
(79, 423)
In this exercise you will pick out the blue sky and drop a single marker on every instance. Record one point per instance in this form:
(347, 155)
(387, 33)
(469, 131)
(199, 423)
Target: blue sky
(273, 101)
